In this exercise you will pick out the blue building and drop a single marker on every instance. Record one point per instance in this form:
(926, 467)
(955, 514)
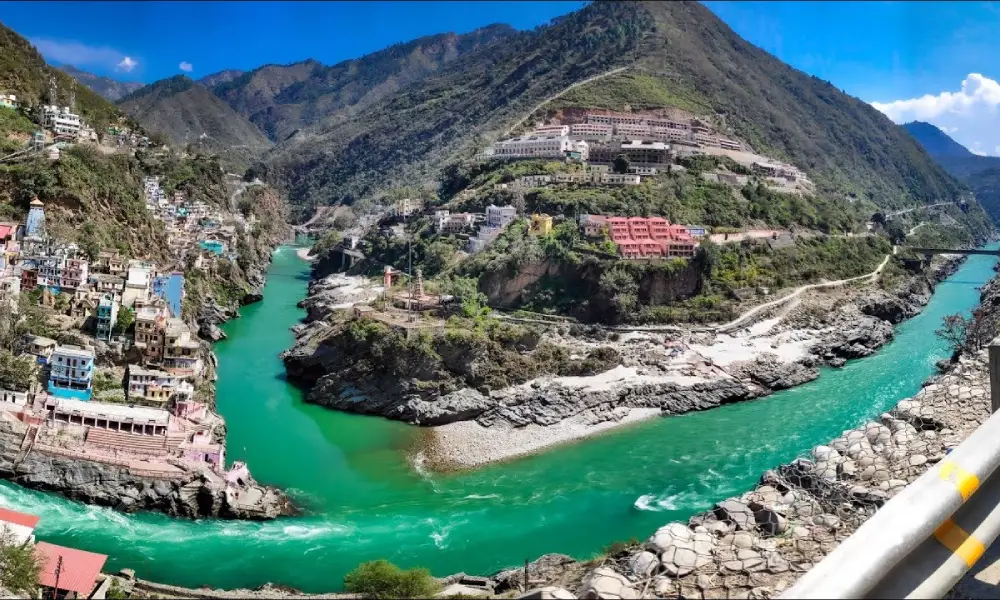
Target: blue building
(35, 225)
(107, 317)
(71, 372)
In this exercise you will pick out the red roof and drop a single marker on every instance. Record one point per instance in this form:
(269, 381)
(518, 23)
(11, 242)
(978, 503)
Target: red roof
(5, 231)
(18, 518)
(79, 568)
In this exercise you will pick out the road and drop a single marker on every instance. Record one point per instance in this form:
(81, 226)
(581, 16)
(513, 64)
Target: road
(907, 210)
(798, 291)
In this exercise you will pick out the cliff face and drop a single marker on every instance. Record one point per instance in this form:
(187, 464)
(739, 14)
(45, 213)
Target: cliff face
(656, 286)
(189, 493)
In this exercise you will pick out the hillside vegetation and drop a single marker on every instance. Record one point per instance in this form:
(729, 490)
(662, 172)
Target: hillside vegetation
(189, 114)
(92, 198)
(25, 73)
(680, 55)
(280, 99)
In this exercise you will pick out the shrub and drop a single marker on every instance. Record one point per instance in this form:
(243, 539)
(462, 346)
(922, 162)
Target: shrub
(382, 579)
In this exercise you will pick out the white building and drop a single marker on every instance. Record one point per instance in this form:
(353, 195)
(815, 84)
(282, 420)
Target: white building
(590, 131)
(500, 216)
(138, 283)
(18, 525)
(62, 121)
(445, 221)
(547, 146)
(560, 130)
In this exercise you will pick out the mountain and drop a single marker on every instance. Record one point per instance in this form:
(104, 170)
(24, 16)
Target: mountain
(110, 89)
(281, 99)
(210, 81)
(188, 113)
(25, 73)
(677, 54)
(981, 173)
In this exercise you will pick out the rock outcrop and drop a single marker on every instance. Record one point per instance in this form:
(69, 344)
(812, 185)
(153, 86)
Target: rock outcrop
(187, 493)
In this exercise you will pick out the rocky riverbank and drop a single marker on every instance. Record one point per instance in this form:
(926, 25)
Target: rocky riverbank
(488, 400)
(185, 492)
(757, 544)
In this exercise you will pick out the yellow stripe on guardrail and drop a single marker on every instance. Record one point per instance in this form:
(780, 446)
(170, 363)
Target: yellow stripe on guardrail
(966, 483)
(956, 539)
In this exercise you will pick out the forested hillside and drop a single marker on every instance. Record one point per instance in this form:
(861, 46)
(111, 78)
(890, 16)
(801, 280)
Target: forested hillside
(678, 54)
(25, 73)
(189, 114)
(281, 99)
(981, 173)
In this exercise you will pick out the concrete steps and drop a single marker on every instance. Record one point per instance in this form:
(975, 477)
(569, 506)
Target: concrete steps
(146, 445)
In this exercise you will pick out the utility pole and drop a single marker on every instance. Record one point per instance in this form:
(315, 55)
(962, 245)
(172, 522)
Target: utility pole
(58, 571)
(409, 267)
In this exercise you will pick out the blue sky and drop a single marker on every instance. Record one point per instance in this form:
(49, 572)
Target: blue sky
(929, 61)
(157, 37)
(933, 61)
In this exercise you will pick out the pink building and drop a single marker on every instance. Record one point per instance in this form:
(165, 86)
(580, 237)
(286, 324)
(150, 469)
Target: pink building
(641, 237)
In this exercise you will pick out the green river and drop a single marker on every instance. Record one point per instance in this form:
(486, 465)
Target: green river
(363, 501)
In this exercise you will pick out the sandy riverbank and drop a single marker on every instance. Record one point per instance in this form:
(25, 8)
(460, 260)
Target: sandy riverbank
(467, 444)
(303, 253)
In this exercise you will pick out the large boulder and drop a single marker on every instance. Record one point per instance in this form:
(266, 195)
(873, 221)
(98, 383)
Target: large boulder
(606, 584)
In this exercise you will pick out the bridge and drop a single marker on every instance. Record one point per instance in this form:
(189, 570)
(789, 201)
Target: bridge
(933, 533)
(928, 252)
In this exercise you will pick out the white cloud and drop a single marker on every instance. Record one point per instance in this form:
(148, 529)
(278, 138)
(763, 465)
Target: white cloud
(977, 91)
(971, 110)
(127, 64)
(67, 52)
(185, 66)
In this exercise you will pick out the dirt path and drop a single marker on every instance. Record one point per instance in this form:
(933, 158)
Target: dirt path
(735, 323)
(553, 97)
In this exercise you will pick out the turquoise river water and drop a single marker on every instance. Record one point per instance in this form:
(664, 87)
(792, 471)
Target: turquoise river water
(363, 501)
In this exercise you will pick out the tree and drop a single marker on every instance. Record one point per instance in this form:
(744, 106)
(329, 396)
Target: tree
(126, 316)
(437, 257)
(896, 232)
(20, 566)
(622, 163)
(618, 284)
(329, 240)
(380, 579)
(467, 294)
(879, 219)
(967, 334)
(16, 372)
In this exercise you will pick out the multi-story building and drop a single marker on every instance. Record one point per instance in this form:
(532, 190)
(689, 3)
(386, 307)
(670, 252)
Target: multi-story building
(137, 283)
(71, 371)
(156, 387)
(181, 353)
(591, 131)
(73, 274)
(103, 283)
(639, 152)
(449, 222)
(107, 317)
(560, 130)
(8, 100)
(63, 121)
(150, 324)
(500, 216)
(111, 263)
(632, 131)
(616, 119)
(639, 237)
(546, 146)
(620, 179)
(10, 289)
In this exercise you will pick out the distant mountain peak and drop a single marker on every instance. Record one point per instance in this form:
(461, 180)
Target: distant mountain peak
(937, 143)
(111, 89)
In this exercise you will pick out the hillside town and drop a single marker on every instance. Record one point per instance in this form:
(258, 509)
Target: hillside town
(651, 143)
(122, 383)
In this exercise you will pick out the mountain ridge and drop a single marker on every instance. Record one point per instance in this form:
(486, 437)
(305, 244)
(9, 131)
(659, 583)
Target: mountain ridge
(281, 99)
(108, 88)
(188, 113)
(681, 48)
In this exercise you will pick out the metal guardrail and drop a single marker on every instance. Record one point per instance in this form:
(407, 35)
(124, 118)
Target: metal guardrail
(921, 542)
